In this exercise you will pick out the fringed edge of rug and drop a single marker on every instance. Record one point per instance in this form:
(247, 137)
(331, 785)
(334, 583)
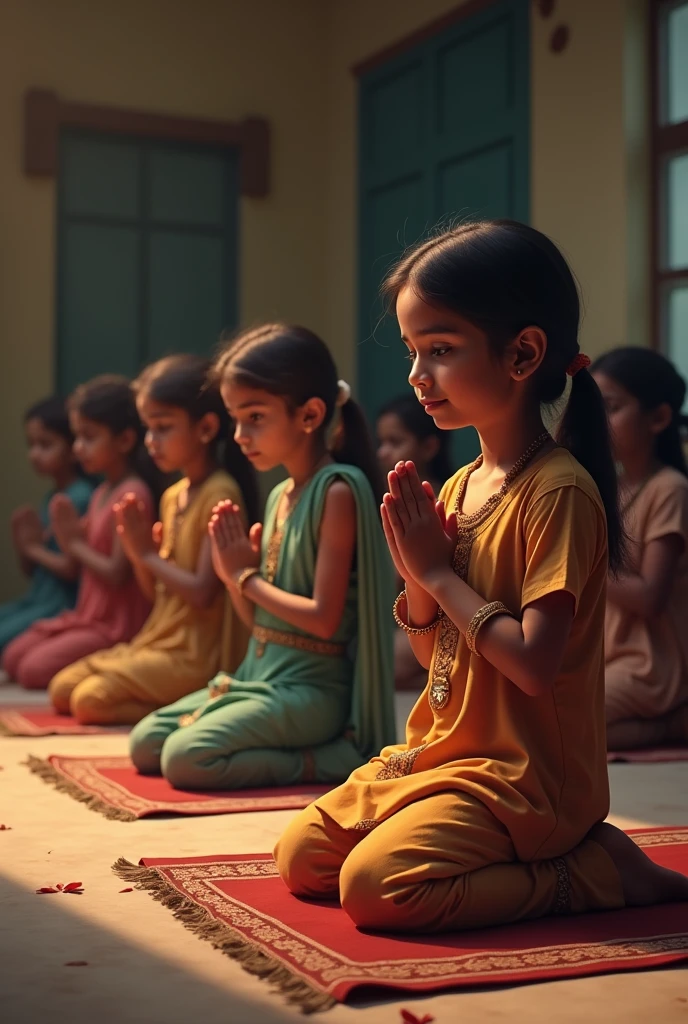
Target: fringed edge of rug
(225, 938)
(53, 777)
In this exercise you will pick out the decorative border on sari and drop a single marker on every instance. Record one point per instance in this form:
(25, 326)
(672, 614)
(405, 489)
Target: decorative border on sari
(264, 635)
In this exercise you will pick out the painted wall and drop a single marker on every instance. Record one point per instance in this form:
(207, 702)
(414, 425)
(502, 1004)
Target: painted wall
(211, 59)
(588, 161)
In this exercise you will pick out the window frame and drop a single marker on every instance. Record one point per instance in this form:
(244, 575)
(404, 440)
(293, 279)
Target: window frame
(667, 141)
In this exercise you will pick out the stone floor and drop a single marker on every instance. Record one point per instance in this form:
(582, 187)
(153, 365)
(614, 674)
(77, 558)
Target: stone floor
(143, 966)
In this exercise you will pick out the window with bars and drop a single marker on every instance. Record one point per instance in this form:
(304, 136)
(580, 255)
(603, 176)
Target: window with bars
(670, 174)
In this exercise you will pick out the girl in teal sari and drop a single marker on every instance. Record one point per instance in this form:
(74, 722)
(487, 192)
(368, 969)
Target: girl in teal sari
(313, 699)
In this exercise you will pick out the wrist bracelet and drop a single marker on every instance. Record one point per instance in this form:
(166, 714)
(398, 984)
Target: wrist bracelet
(413, 630)
(243, 578)
(478, 621)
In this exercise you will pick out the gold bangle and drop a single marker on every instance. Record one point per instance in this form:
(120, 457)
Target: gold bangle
(413, 630)
(243, 578)
(479, 620)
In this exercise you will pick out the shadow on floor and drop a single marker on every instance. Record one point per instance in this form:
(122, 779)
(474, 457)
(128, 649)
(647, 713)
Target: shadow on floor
(121, 982)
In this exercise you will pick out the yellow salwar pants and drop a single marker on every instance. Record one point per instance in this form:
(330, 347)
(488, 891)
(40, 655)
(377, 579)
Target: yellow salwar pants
(96, 698)
(442, 863)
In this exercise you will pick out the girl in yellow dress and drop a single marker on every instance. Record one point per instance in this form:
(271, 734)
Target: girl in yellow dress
(493, 809)
(192, 630)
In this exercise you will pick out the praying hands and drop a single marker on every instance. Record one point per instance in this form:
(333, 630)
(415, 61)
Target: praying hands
(420, 535)
(133, 528)
(233, 550)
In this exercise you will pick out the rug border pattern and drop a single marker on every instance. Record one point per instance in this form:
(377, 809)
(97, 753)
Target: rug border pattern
(85, 772)
(331, 972)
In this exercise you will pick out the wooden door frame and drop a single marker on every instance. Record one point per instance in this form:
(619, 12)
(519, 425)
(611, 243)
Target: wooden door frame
(420, 35)
(45, 114)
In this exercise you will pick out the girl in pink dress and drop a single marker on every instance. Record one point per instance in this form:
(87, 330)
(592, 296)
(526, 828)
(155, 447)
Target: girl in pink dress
(110, 607)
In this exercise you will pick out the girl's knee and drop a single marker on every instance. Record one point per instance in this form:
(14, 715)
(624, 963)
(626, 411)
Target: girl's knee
(296, 855)
(31, 673)
(364, 893)
(60, 691)
(88, 705)
(181, 764)
(145, 746)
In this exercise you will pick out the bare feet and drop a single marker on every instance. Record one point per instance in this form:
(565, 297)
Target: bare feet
(644, 882)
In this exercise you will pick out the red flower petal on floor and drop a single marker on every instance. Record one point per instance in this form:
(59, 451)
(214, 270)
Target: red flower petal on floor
(74, 887)
(47, 888)
(5, 828)
(410, 1018)
(77, 963)
(59, 886)
(126, 890)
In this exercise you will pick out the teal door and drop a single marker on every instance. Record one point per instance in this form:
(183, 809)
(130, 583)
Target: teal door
(443, 137)
(147, 241)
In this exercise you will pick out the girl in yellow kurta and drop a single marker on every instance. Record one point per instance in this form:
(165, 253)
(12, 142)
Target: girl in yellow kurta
(192, 630)
(492, 810)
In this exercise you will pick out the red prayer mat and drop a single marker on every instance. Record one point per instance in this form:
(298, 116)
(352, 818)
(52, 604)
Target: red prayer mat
(43, 721)
(314, 953)
(653, 755)
(112, 786)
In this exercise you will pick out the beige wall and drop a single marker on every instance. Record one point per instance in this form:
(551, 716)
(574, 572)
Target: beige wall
(289, 61)
(213, 59)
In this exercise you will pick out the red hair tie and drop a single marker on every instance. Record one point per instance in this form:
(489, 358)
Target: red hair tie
(579, 362)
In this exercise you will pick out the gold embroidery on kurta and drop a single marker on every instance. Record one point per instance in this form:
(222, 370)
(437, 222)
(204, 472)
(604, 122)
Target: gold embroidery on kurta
(401, 763)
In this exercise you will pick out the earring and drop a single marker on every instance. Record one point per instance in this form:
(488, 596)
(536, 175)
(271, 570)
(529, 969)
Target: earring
(519, 372)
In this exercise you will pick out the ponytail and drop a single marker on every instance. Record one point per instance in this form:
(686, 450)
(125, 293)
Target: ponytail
(669, 445)
(584, 431)
(353, 444)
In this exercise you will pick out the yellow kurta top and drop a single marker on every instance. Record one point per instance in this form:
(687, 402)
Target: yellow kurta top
(538, 763)
(181, 647)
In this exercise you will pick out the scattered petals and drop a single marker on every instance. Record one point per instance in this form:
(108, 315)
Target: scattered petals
(71, 887)
(5, 828)
(410, 1018)
(126, 890)
(77, 963)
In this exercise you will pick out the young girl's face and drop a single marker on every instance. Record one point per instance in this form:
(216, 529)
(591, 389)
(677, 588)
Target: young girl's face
(50, 454)
(396, 443)
(264, 428)
(633, 429)
(173, 439)
(95, 445)
(454, 372)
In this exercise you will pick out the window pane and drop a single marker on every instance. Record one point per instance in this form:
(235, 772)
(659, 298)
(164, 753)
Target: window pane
(677, 212)
(677, 329)
(677, 61)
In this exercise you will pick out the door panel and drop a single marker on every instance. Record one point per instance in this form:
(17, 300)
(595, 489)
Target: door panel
(147, 241)
(482, 183)
(99, 303)
(444, 135)
(186, 311)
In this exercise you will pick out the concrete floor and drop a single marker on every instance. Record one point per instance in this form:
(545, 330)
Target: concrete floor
(143, 966)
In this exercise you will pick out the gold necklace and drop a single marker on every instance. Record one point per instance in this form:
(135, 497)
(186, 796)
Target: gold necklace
(494, 500)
